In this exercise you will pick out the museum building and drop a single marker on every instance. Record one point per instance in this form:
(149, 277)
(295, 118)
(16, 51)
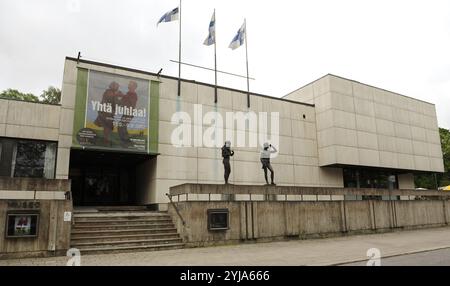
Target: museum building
(113, 136)
(121, 138)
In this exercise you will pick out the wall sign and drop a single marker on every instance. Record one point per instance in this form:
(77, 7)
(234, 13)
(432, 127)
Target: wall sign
(22, 224)
(218, 219)
(67, 216)
(30, 205)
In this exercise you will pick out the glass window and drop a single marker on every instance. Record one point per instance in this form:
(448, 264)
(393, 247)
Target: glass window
(350, 178)
(369, 178)
(28, 158)
(5, 162)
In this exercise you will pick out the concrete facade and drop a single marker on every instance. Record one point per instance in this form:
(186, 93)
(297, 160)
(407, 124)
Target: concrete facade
(48, 199)
(327, 124)
(361, 125)
(27, 120)
(256, 220)
(296, 164)
(268, 220)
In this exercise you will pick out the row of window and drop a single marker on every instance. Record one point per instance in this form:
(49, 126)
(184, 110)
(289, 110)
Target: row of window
(27, 158)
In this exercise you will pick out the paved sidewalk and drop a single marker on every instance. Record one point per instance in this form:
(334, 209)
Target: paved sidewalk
(328, 251)
(439, 257)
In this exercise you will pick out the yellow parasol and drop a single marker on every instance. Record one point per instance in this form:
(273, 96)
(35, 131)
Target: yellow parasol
(446, 188)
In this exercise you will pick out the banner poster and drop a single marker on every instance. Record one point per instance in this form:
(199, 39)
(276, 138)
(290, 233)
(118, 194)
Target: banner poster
(116, 113)
(22, 225)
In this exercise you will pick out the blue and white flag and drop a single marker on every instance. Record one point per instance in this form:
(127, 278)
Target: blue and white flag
(211, 39)
(169, 16)
(239, 39)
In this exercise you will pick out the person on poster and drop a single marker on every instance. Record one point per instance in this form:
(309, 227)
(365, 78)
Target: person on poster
(226, 154)
(22, 225)
(128, 100)
(105, 119)
(265, 161)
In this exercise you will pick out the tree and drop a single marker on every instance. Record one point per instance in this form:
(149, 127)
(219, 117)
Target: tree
(15, 94)
(52, 95)
(444, 179)
(429, 181)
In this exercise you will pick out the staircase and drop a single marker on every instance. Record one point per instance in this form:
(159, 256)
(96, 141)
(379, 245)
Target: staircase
(113, 230)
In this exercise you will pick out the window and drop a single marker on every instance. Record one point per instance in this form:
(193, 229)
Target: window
(369, 178)
(27, 158)
(218, 219)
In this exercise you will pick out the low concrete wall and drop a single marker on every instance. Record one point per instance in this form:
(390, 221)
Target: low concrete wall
(273, 220)
(53, 235)
(33, 184)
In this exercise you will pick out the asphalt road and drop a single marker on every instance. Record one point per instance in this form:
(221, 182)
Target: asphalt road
(439, 257)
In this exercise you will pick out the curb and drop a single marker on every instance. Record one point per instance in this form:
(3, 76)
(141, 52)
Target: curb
(387, 256)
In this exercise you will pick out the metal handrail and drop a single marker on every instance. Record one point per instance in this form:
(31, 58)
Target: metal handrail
(175, 207)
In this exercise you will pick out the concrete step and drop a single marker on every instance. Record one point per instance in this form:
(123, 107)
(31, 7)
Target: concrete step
(124, 249)
(77, 232)
(119, 214)
(108, 230)
(122, 208)
(128, 225)
(98, 209)
(133, 243)
(124, 224)
(121, 237)
(122, 221)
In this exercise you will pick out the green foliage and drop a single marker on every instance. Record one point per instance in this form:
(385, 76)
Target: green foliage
(429, 181)
(51, 96)
(15, 94)
(426, 181)
(445, 143)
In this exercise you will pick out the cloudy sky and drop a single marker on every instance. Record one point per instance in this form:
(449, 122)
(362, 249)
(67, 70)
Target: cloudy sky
(399, 45)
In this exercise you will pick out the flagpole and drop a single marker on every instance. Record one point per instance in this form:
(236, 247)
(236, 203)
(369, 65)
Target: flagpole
(246, 61)
(179, 55)
(215, 59)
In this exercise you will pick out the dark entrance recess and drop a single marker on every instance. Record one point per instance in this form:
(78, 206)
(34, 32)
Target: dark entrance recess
(104, 178)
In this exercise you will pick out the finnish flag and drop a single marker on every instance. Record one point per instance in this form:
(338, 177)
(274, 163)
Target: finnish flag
(169, 16)
(211, 39)
(238, 40)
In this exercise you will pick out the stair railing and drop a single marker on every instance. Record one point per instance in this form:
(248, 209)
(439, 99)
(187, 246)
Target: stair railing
(175, 207)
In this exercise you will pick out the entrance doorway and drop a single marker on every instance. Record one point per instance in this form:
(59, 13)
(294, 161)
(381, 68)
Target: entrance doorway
(104, 178)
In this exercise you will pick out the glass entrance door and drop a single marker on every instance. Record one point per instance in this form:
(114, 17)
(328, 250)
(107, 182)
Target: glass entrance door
(104, 178)
(101, 186)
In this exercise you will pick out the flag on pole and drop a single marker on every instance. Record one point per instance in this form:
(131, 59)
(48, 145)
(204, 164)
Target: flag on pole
(169, 16)
(239, 39)
(211, 39)
(175, 14)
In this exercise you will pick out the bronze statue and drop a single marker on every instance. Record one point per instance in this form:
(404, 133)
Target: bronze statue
(226, 154)
(265, 160)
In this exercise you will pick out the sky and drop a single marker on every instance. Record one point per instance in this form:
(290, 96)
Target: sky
(399, 45)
